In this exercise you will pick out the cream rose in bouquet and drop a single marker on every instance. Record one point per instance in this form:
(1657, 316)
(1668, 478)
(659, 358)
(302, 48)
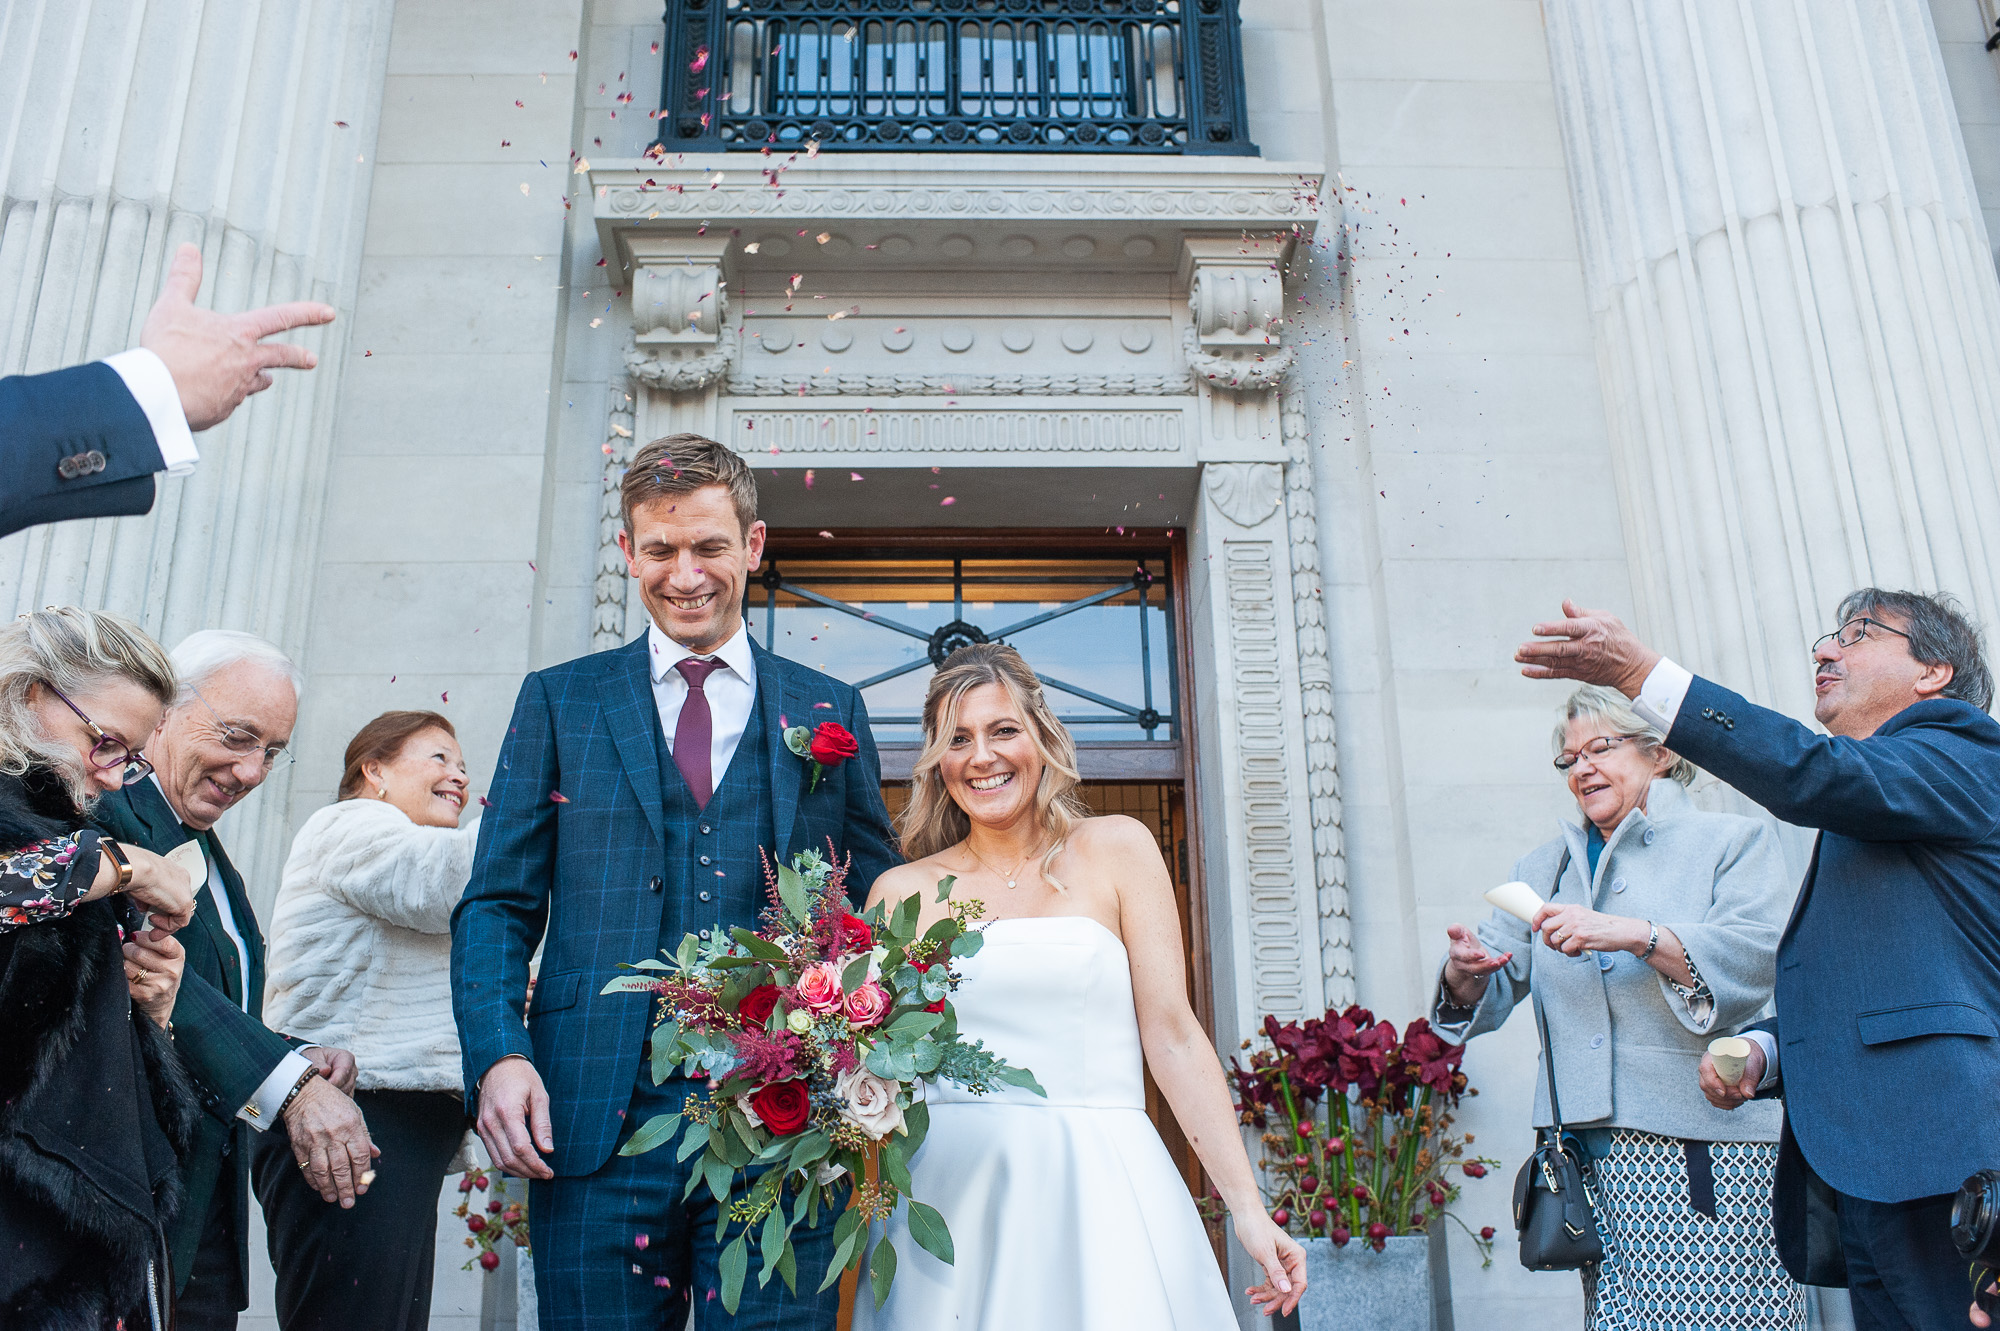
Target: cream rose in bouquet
(814, 1034)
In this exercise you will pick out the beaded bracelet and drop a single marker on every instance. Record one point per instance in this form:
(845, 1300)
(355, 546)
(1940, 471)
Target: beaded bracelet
(310, 1072)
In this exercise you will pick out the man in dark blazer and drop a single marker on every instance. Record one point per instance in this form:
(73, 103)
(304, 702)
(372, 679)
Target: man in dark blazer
(85, 442)
(637, 795)
(217, 743)
(1885, 1047)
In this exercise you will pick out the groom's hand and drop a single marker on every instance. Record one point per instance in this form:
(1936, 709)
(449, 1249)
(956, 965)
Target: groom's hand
(514, 1118)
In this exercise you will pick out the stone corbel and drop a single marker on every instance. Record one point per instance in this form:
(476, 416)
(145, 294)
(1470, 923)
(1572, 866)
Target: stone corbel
(1236, 307)
(680, 311)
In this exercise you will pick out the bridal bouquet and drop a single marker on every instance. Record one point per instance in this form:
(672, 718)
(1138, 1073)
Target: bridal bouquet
(812, 1033)
(1356, 1126)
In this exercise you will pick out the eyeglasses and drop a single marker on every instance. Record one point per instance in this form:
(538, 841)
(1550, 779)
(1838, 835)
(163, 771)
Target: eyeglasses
(242, 742)
(1592, 749)
(108, 752)
(1852, 632)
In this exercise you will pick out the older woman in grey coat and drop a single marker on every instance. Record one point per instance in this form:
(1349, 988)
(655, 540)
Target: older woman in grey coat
(1660, 934)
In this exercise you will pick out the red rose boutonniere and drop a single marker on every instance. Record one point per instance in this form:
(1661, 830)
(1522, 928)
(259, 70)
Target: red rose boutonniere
(827, 745)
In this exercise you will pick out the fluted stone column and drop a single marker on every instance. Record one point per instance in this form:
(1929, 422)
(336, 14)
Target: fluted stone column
(1797, 316)
(126, 128)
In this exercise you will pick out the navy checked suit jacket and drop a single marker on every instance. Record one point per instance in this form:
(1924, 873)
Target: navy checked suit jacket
(1889, 971)
(45, 418)
(576, 874)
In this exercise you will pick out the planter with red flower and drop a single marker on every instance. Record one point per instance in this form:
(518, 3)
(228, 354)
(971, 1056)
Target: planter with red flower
(814, 1034)
(1360, 1162)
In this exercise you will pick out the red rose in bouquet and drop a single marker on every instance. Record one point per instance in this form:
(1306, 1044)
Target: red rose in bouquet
(855, 935)
(757, 1006)
(833, 744)
(783, 1105)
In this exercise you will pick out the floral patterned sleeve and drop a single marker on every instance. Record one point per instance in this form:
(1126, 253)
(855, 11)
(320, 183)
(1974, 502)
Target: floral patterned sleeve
(42, 882)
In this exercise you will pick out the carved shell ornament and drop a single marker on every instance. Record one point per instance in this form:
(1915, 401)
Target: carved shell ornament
(1244, 492)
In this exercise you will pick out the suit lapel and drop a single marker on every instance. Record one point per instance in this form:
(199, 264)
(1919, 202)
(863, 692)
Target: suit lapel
(634, 718)
(774, 713)
(165, 830)
(1805, 891)
(246, 923)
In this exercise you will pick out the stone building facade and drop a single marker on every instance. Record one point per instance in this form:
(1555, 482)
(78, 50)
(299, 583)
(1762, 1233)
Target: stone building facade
(1686, 311)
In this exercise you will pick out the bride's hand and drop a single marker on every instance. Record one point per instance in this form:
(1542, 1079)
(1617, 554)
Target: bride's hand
(1283, 1260)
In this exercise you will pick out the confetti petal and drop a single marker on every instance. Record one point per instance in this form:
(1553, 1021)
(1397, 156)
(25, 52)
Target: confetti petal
(557, 797)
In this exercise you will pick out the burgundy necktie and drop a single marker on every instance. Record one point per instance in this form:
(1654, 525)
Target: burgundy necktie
(694, 733)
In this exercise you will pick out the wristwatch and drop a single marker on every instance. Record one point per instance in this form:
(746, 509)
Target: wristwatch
(120, 860)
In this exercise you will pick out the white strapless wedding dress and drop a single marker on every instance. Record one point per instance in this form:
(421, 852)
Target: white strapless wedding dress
(1065, 1212)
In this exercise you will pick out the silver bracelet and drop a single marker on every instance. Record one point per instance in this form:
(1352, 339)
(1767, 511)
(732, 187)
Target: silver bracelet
(1652, 940)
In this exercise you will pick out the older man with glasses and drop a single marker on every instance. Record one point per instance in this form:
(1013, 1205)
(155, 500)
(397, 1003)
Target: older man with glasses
(1885, 1047)
(225, 733)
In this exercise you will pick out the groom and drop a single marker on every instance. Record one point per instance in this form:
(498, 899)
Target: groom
(637, 792)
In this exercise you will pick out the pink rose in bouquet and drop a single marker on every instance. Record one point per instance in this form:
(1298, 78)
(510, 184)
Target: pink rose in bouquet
(867, 1005)
(819, 987)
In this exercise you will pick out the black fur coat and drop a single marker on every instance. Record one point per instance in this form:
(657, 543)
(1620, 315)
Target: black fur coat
(94, 1109)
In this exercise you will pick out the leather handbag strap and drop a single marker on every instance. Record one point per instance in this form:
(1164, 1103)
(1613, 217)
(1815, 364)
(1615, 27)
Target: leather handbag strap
(1541, 1022)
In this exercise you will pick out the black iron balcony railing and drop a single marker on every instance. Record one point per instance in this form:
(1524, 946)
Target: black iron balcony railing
(1144, 76)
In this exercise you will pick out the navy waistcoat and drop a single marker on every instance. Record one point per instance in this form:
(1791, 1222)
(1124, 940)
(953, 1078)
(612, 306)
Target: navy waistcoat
(715, 871)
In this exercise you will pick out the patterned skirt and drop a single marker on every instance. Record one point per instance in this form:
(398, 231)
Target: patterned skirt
(1667, 1267)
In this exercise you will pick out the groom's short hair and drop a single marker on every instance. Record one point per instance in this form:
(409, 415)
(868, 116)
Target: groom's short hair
(680, 464)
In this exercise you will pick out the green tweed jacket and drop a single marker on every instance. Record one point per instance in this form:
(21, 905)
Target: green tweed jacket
(230, 1052)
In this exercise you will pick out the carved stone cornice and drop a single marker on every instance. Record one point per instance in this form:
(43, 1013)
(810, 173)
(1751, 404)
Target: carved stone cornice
(729, 188)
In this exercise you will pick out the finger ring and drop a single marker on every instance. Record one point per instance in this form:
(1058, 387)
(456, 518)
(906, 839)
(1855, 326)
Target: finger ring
(143, 975)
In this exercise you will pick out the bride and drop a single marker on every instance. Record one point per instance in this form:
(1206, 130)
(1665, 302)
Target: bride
(1065, 1212)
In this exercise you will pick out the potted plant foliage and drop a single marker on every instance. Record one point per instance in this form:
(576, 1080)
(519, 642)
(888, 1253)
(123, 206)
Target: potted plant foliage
(1360, 1163)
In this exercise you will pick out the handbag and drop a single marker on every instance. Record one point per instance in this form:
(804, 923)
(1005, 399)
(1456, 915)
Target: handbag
(1553, 1212)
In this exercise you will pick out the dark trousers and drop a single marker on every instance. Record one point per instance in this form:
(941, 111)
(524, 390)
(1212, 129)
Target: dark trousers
(369, 1266)
(593, 1274)
(214, 1291)
(1903, 1273)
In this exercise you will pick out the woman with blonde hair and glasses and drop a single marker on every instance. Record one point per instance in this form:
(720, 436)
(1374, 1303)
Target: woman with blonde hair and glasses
(94, 1107)
(1065, 1211)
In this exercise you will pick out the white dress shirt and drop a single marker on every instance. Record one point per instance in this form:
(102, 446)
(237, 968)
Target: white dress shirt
(1659, 703)
(732, 692)
(262, 1111)
(147, 378)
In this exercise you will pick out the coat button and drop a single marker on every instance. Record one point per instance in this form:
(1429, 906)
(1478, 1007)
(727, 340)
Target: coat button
(1618, 885)
(69, 468)
(704, 933)
(1597, 1042)
(704, 896)
(704, 829)
(1604, 961)
(655, 885)
(94, 460)
(1708, 713)
(705, 859)
(1647, 839)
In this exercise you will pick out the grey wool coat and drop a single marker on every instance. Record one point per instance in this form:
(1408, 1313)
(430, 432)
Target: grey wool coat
(1627, 1045)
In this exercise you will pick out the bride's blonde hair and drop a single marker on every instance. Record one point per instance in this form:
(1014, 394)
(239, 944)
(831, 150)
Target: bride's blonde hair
(933, 822)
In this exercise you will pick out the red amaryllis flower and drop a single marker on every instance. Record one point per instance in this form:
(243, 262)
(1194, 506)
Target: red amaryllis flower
(833, 744)
(783, 1105)
(1363, 1045)
(757, 1006)
(1432, 1062)
(855, 935)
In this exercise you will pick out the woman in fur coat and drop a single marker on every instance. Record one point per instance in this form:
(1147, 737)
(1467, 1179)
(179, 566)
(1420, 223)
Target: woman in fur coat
(94, 1106)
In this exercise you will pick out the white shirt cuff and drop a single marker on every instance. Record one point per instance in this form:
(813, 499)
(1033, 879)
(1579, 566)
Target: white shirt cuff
(146, 375)
(1660, 697)
(262, 1111)
(1770, 1048)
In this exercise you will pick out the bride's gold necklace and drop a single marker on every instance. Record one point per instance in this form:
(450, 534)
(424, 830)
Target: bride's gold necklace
(1008, 878)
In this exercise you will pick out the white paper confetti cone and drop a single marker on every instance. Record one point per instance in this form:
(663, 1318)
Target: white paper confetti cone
(1516, 899)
